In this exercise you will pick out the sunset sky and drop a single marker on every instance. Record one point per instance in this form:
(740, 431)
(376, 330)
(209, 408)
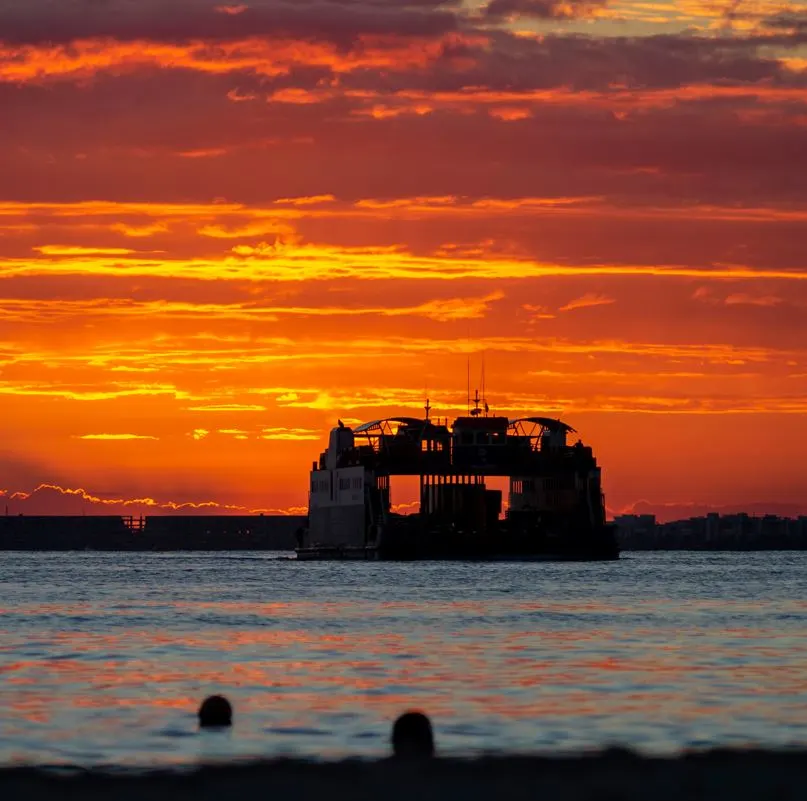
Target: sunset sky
(224, 226)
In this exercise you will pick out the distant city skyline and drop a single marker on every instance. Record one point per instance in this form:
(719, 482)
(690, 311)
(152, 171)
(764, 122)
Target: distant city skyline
(713, 531)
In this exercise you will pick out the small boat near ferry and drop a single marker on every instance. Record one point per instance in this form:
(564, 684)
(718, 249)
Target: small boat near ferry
(555, 510)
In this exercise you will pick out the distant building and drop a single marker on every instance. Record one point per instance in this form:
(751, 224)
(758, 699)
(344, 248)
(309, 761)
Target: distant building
(736, 532)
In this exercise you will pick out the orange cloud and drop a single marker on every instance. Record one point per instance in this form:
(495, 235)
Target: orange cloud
(743, 299)
(587, 301)
(443, 310)
(256, 228)
(75, 250)
(240, 97)
(138, 231)
(292, 434)
(228, 407)
(205, 153)
(510, 113)
(115, 437)
(237, 433)
(707, 295)
(284, 261)
(313, 200)
(232, 10)
(155, 218)
(84, 58)
(115, 391)
(298, 97)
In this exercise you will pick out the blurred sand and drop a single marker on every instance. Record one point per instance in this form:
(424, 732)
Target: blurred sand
(607, 776)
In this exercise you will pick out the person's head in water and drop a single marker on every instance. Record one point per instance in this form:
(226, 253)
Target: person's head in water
(412, 736)
(215, 711)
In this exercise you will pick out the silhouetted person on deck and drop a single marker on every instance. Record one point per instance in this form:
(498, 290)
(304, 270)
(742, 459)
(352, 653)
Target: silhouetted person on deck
(215, 711)
(412, 736)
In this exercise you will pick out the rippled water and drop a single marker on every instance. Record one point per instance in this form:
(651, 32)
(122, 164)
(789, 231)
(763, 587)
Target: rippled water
(104, 657)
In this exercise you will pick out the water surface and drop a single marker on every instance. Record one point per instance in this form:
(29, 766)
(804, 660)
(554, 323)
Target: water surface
(104, 657)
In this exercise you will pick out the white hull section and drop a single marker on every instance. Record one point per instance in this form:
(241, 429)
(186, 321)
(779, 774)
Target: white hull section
(337, 513)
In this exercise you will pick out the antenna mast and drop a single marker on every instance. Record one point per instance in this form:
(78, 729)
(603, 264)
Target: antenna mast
(468, 394)
(484, 396)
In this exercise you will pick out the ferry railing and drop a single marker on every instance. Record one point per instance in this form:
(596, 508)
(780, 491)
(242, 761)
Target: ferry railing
(135, 524)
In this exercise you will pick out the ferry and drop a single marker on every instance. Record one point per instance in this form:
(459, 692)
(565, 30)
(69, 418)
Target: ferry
(555, 509)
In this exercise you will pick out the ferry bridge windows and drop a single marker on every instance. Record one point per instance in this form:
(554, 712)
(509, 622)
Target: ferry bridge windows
(564, 482)
(355, 483)
(482, 438)
(523, 485)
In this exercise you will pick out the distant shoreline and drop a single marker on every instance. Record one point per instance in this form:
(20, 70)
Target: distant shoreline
(615, 775)
(162, 533)
(194, 533)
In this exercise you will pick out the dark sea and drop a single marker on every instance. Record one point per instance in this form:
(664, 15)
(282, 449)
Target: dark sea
(105, 657)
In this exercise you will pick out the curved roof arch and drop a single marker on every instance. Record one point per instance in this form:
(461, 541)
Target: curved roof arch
(366, 428)
(549, 423)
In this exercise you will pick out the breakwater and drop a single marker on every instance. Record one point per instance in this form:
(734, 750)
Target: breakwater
(616, 775)
(152, 533)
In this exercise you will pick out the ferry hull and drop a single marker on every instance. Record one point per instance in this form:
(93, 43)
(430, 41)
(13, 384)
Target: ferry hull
(593, 546)
(326, 553)
(337, 553)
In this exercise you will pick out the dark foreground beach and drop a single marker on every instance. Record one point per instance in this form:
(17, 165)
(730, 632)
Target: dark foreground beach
(607, 776)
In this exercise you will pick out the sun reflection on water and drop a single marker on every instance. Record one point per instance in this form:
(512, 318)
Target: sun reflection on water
(104, 658)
